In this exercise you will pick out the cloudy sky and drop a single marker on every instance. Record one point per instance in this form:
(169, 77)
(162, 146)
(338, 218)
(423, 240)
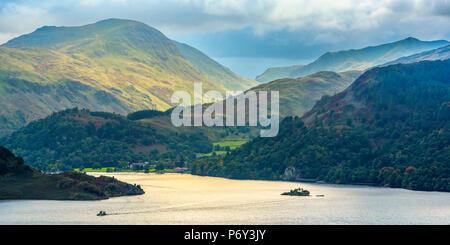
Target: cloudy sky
(248, 35)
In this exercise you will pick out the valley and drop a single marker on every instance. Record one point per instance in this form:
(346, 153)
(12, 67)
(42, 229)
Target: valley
(96, 98)
(354, 59)
(180, 120)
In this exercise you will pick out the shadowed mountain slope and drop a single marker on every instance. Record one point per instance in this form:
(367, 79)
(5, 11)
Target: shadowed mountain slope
(391, 127)
(357, 59)
(300, 94)
(18, 181)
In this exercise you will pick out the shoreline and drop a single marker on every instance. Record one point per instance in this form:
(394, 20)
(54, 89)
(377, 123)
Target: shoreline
(192, 199)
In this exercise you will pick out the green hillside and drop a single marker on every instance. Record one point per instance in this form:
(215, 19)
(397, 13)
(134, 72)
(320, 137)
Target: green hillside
(299, 95)
(113, 65)
(83, 139)
(357, 59)
(391, 127)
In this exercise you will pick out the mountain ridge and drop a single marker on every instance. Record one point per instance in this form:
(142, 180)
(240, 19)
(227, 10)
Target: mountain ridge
(442, 53)
(212, 68)
(117, 65)
(360, 59)
(300, 94)
(79, 138)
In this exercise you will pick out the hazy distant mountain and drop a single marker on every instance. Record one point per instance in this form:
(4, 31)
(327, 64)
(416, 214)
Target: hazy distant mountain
(391, 127)
(299, 95)
(356, 59)
(275, 73)
(113, 65)
(435, 54)
(79, 138)
(215, 71)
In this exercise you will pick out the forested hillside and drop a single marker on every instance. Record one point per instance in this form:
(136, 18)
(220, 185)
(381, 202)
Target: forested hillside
(19, 181)
(300, 94)
(391, 127)
(80, 138)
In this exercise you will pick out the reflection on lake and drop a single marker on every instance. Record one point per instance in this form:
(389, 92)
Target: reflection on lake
(188, 199)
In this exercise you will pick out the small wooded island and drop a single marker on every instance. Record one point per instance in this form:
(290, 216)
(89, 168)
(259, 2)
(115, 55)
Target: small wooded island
(19, 181)
(296, 192)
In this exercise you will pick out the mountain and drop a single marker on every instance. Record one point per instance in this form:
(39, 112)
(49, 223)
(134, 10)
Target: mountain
(113, 65)
(300, 94)
(391, 127)
(215, 71)
(76, 138)
(19, 181)
(275, 73)
(435, 54)
(356, 59)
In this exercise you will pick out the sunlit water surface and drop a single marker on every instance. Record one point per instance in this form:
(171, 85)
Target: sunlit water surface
(188, 199)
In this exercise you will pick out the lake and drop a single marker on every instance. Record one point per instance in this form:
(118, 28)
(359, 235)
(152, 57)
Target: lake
(188, 199)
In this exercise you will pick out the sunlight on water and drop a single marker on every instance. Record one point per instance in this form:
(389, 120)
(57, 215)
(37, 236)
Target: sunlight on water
(187, 199)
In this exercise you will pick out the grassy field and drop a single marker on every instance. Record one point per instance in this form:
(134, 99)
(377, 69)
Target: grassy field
(217, 153)
(106, 169)
(112, 169)
(233, 144)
